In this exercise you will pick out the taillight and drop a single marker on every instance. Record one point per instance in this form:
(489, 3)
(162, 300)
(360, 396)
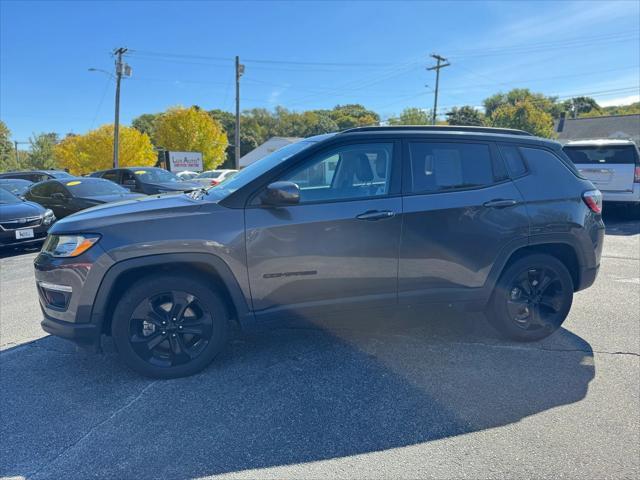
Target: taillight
(636, 174)
(214, 182)
(593, 199)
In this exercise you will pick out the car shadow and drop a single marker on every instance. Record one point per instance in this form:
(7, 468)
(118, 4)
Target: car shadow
(621, 219)
(317, 391)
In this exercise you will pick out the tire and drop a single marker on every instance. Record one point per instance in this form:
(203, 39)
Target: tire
(532, 298)
(195, 328)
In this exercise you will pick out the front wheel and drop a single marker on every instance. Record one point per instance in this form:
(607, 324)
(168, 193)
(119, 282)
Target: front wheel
(532, 298)
(169, 326)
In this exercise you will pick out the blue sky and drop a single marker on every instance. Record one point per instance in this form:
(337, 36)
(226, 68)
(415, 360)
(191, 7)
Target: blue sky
(304, 55)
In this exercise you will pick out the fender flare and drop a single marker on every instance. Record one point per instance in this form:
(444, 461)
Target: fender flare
(101, 301)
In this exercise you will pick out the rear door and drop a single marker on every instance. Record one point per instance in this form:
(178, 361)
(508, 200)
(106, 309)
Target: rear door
(609, 167)
(461, 211)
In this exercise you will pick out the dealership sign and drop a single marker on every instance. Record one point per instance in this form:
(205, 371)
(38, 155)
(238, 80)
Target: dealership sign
(183, 161)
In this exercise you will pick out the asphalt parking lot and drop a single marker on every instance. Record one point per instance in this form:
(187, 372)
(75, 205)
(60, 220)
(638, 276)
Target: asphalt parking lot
(427, 394)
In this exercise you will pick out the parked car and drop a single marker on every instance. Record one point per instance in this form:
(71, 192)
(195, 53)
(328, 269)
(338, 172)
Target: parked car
(147, 180)
(22, 222)
(37, 175)
(214, 177)
(612, 165)
(71, 196)
(186, 175)
(493, 220)
(16, 186)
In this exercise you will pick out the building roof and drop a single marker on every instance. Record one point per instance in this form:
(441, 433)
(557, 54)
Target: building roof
(623, 127)
(270, 146)
(598, 142)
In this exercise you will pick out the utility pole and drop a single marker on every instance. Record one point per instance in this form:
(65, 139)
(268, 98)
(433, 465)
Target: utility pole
(121, 69)
(239, 72)
(437, 68)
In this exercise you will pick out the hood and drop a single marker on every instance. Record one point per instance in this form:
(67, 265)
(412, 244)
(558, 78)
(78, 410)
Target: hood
(128, 212)
(176, 186)
(118, 197)
(14, 211)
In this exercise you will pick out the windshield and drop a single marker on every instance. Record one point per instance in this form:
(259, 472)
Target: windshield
(90, 187)
(8, 198)
(62, 175)
(17, 187)
(260, 167)
(212, 174)
(602, 154)
(155, 175)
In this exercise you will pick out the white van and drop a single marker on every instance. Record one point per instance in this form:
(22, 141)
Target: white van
(613, 166)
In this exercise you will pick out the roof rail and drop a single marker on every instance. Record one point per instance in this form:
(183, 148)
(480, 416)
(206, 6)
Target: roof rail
(444, 128)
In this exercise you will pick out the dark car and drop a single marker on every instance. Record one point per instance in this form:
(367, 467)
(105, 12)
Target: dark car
(147, 180)
(16, 186)
(22, 222)
(37, 175)
(75, 194)
(369, 219)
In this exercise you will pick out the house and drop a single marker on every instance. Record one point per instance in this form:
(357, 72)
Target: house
(270, 146)
(623, 127)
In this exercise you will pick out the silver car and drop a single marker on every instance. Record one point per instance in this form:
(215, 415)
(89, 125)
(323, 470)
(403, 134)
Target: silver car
(213, 177)
(613, 166)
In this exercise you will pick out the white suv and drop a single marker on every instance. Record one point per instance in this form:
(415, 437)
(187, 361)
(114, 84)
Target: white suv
(613, 166)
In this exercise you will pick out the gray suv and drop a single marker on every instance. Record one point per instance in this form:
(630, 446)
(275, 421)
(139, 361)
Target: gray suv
(494, 220)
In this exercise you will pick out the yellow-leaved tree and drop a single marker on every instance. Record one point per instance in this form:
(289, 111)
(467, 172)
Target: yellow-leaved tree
(191, 130)
(94, 150)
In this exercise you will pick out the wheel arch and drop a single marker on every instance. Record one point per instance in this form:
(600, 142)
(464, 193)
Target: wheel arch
(208, 266)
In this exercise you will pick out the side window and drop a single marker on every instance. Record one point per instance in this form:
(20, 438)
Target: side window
(111, 175)
(514, 160)
(438, 167)
(540, 156)
(55, 187)
(349, 171)
(40, 190)
(127, 176)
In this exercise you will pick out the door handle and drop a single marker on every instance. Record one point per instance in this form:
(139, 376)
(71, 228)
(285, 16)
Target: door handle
(375, 215)
(500, 203)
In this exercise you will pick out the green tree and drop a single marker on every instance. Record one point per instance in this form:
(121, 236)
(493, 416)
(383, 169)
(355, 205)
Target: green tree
(412, 116)
(547, 104)
(353, 115)
(524, 115)
(145, 123)
(7, 152)
(41, 154)
(192, 130)
(580, 105)
(465, 115)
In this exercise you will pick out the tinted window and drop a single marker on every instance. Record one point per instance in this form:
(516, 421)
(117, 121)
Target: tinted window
(602, 155)
(538, 155)
(55, 187)
(153, 175)
(514, 160)
(94, 186)
(349, 171)
(41, 189)
(112, 175)
(437, 167)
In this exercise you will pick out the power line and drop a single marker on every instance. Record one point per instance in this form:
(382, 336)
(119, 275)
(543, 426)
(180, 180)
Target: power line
(441, 63)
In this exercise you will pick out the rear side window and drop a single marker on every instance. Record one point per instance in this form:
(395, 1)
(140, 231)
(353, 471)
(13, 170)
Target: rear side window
(41, 189)
(514, 160)
(112, 175)
(438, 167)
(534, 155)
(613, 154)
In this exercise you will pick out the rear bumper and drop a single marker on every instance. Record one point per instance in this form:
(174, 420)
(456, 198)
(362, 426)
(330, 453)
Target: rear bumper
(587, 277)
(627, 197)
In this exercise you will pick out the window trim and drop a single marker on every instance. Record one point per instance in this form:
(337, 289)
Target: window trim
(407, 168)
(520, 154)
(394, 182)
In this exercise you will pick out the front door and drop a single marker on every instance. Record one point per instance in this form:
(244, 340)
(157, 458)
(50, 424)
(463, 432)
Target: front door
(339, 246)
(460, 212)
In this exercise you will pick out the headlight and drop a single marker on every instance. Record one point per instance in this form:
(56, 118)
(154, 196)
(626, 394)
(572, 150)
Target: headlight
(69, 245)
(48, 217)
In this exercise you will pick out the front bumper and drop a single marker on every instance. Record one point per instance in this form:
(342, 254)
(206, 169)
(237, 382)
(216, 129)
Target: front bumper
(86, 335)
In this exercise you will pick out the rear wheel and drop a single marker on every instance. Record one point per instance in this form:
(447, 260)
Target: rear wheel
(169, 326)
(532, 298)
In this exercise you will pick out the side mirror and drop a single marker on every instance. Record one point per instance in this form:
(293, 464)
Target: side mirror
(280, 194)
